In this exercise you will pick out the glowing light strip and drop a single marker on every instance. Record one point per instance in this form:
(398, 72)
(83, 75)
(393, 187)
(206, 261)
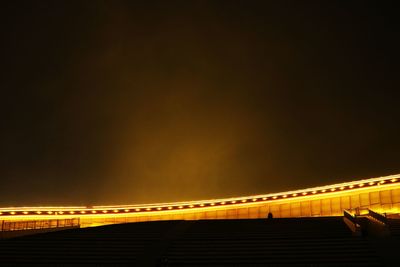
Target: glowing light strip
(238, 201)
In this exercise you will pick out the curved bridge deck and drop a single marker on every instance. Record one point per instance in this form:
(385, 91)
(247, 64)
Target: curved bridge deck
(380, 194)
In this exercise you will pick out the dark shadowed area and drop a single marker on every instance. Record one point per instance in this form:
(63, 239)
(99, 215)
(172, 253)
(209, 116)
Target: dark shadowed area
(117, 102)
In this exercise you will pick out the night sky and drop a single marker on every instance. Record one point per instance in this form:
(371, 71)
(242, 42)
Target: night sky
(122, 102)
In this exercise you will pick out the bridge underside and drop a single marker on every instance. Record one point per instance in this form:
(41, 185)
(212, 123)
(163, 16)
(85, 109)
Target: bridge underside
(379, 194)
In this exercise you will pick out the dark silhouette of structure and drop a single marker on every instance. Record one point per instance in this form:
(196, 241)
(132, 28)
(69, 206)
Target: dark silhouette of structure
(314, 241)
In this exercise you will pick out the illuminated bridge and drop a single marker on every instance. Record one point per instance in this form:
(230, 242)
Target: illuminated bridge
(381, 195)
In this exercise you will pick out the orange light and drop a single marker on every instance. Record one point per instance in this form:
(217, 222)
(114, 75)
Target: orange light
(104, 211)
(1, 213)
(77, 210)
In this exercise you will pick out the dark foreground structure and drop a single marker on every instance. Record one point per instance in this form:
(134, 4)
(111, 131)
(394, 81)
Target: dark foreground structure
(319, 241)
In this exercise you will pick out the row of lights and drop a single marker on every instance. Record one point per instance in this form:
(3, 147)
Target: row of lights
(199, 205)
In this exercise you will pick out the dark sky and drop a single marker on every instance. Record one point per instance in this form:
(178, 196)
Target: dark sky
(113, 102)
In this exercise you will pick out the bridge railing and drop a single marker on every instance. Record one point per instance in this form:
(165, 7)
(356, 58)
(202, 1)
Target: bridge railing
(38, 224)
(347, 214)
(352, 222)
(377, 216)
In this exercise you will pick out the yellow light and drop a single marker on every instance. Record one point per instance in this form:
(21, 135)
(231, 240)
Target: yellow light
(104, 211)
(21, 213)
